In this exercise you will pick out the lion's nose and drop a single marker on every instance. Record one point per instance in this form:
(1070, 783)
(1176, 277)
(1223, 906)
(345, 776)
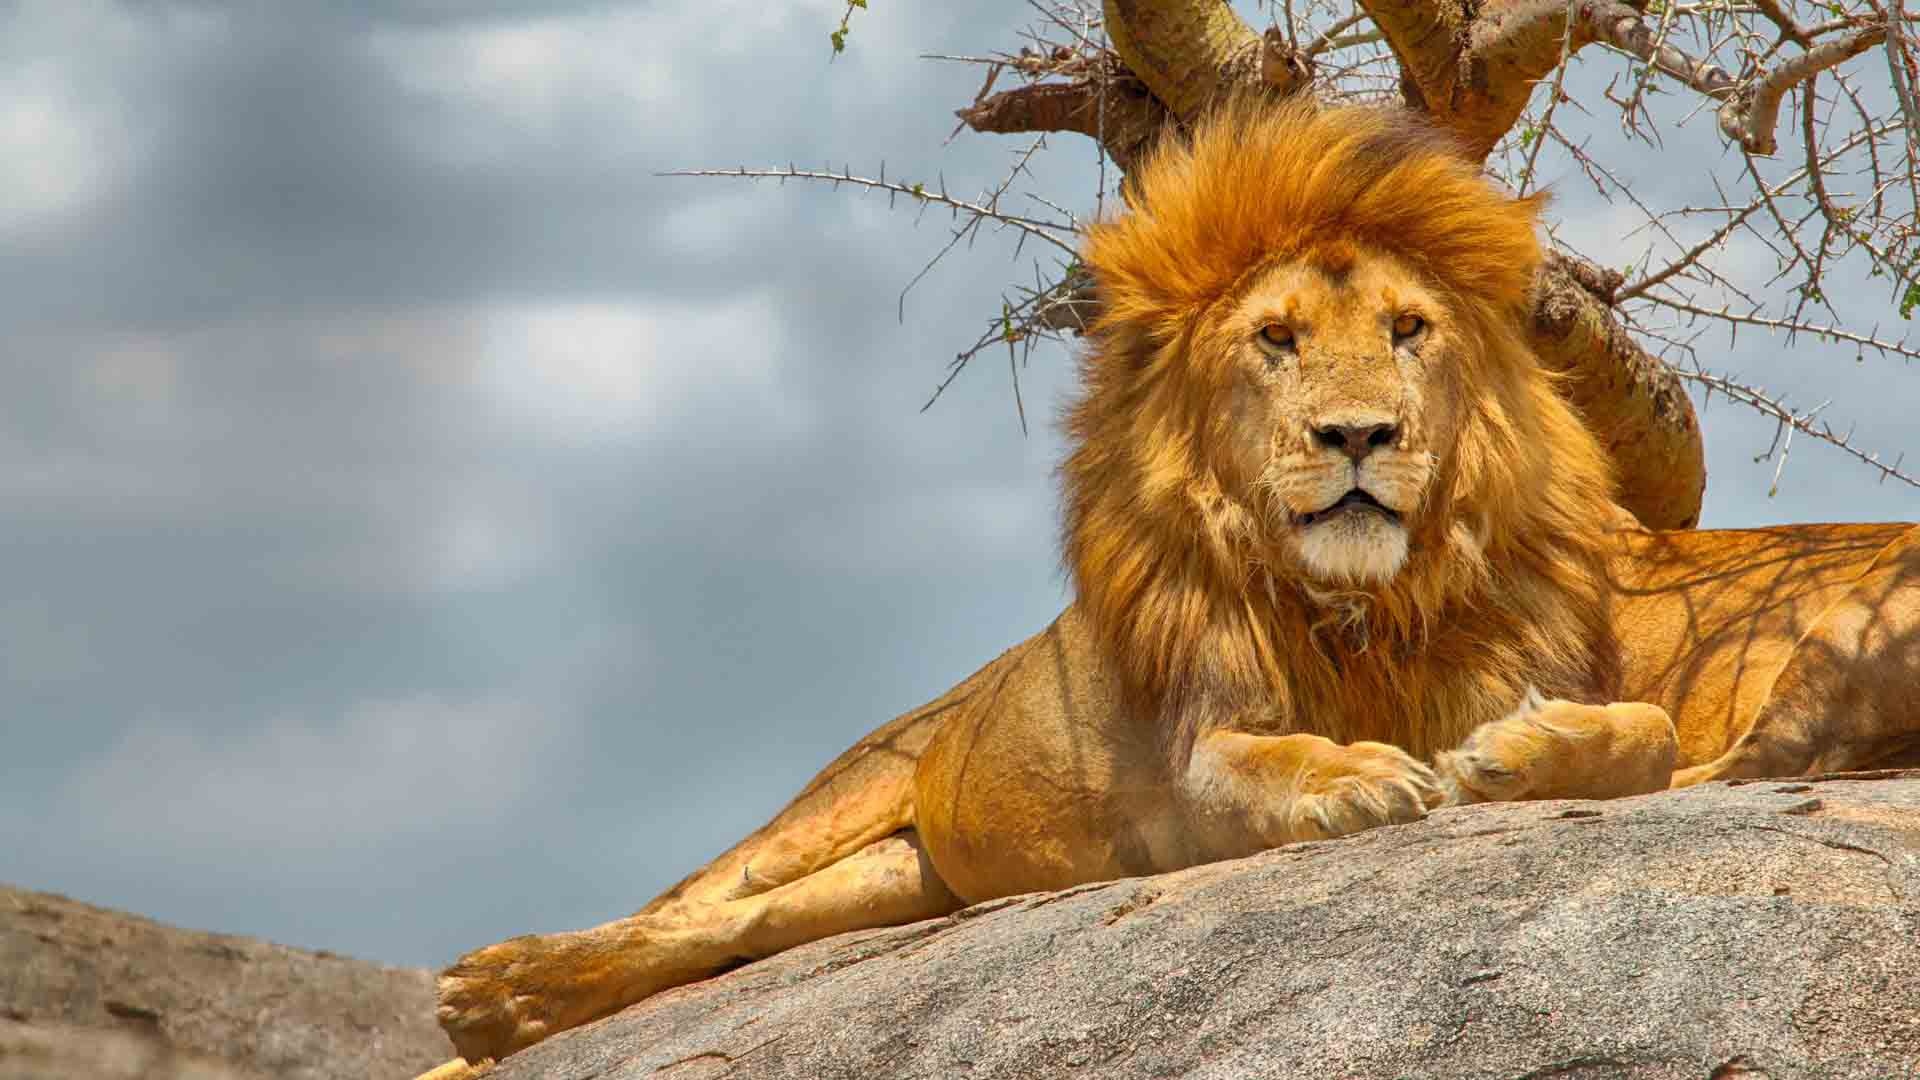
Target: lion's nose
(1356, 440)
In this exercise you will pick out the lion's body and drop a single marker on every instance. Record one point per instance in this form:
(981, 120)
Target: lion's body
(1332, 533)
(1032, 775)
(1776, 651)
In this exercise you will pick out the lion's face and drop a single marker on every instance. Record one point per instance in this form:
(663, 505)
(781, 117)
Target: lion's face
(1340, 408)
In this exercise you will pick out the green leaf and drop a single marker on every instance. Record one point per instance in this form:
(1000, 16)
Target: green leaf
(1910, 301)
(839, 40)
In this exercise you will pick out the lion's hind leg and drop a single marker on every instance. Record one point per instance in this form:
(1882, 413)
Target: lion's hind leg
(1848, 697)
(508, 996)
(1550, 749)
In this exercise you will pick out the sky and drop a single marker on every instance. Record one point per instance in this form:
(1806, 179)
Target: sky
(421, 523)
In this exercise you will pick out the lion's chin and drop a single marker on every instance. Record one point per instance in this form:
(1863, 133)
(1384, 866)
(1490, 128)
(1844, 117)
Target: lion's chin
(1353, 548)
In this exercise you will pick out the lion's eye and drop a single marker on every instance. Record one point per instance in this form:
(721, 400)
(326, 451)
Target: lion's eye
(1277, 336)
(1407, 326)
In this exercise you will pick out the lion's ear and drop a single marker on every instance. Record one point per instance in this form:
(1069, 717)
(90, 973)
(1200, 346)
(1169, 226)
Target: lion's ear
(1533, 208)
(1117, 341)
(1140, 284)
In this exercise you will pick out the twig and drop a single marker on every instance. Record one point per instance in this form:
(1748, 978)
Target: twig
(1048, 231)
(991, 202)
(1760, 400)
(1782, 18)
(1897, 65)
(1786, 326)
(1045, 311)
(1554, 94)
(1741, 214)
(1330, 37)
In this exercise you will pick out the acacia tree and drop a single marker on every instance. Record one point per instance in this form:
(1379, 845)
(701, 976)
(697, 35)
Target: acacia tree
(1809, 104)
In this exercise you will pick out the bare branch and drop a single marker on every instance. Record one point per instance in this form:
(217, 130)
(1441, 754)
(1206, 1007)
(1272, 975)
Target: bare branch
(1425, 36)
(1790, 28)
(1897, 66)
(1047, 310)
(1069, 304)
(1740, 215)
(1330, 37)
(1185, 50)
(1049, 231)
(1621, 27)
(1749, 116)
(1111, 107)
(1752, 115)
(1789, 326)
(1555, 94)
(1691, 255)
(1768, 405)
(971, 227)
(1513, 46)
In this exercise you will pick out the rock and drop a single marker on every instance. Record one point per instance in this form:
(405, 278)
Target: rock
(89, 992)
(1767, 929)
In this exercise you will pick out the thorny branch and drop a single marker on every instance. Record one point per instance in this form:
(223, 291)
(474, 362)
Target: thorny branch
(1790, 326)
(1046, 311)
(1622, 27)
(1790, 421)
(1058, 233)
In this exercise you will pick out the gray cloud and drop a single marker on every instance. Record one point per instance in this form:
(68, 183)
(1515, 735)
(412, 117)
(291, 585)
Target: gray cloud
(379, 391)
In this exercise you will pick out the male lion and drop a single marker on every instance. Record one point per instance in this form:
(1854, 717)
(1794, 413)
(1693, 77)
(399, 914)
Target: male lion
(1327, 520)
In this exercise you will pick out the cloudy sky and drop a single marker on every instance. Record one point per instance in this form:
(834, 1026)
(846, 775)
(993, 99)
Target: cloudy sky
(424, 524)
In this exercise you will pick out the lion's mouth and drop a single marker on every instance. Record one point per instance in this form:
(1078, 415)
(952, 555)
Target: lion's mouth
(1355, 501)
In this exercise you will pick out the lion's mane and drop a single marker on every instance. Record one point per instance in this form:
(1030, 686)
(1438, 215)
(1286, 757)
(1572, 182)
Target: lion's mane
(1197, 604)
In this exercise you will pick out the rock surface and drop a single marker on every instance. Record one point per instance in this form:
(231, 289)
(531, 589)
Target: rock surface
(1769, 929)
(90, 993)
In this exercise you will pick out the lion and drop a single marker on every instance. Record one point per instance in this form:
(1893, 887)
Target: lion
(1341, 554)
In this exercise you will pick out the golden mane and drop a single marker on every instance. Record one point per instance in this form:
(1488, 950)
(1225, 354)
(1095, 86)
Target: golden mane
(1189, 592)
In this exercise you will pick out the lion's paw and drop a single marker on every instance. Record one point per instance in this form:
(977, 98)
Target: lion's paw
(1491, 765)
(488, 1003)
(1510, 758)
(1370, 784)
(1548, 748)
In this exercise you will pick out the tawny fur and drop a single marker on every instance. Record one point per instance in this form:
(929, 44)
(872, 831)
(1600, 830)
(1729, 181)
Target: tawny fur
(1301, 309)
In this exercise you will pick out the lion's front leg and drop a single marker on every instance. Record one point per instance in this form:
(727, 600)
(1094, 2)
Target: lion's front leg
(1253, 792)
(1551, 749)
